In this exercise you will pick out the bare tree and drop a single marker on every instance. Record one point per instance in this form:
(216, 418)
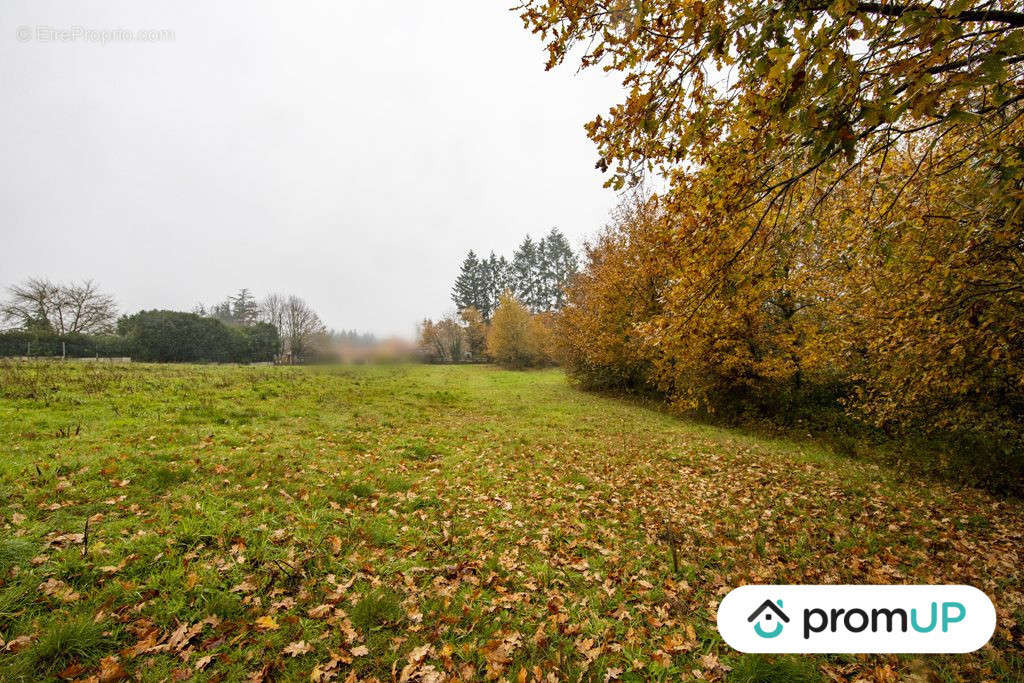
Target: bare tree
(63, 308)
(443, 341)
(297, 323)
(271, 311)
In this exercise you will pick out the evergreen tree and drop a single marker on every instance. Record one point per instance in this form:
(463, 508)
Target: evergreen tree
(537, 276)
(470, 290)
(558, 265)
(525, 273)
(222, 312)
(497, 280)
(240, 309)
(244, 309)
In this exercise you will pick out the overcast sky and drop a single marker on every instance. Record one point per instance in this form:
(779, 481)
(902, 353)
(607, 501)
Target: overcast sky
(347, 152)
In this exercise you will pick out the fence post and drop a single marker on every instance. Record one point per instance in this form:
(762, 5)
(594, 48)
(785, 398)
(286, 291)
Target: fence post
(63, 351)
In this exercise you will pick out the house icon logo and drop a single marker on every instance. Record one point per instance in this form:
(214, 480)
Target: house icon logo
(765, 615)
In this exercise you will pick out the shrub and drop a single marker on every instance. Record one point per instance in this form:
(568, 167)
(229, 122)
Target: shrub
(44, 343)
(173, 336)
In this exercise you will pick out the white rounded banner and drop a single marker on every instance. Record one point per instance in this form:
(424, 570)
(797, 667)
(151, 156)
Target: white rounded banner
(856, 619)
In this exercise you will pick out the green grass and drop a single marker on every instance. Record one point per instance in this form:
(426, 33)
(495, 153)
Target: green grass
(64, 642)
(377, 610)
(504, 520)
(769, 669)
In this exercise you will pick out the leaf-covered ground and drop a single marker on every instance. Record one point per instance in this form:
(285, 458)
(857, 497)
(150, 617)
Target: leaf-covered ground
(432, 523)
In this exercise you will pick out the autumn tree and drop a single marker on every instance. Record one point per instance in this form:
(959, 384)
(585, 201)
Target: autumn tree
(777, 101)
(818, 85)
(842, 206)
(510, 339)
(546, 342)
(443, 341)
(914, 327)
(610, 300)
(475, 333)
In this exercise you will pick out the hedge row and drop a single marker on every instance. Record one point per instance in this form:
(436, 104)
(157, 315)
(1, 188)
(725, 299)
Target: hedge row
(155, 336)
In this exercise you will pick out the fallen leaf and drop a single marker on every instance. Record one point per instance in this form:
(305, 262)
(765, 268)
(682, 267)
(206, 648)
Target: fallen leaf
(267, 624)
(18, 644)
(320, 611)
(111, 670)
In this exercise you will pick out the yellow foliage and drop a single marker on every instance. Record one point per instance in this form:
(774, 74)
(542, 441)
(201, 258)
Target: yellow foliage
(912, 314)
(511, 339)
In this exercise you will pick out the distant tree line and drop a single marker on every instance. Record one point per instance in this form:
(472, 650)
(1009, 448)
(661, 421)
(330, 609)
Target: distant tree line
(536, 276)
(43, 318)
(353, 338)
(303, 335)
(505, 308)
(513, 337)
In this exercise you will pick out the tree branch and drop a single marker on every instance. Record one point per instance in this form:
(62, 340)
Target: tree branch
(986, 15)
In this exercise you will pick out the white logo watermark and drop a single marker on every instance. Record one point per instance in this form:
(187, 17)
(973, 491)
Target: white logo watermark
(100, 36)
(856, 619)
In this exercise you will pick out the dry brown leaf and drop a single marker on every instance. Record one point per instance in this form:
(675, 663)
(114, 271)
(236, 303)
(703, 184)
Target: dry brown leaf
(111, 670)
(18, 644)
(320, 611)
(297, 648)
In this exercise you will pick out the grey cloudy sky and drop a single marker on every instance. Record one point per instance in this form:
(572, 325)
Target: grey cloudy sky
(348, 152)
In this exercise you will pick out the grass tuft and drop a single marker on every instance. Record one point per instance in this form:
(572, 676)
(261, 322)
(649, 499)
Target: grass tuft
(376, 610)
(784, 669)
(63, 642)
(14, 552)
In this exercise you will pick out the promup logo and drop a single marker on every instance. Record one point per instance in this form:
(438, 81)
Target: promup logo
(767, 611)
(859, 619)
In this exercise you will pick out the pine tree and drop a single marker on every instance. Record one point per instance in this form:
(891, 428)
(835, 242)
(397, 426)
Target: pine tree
(525, 281)
(558, 265)
(244, 310)
(537, 276)
(541, 284)
(470, 290)
(497, 279)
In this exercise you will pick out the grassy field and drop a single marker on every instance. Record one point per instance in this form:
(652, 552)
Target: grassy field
(222, 523)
